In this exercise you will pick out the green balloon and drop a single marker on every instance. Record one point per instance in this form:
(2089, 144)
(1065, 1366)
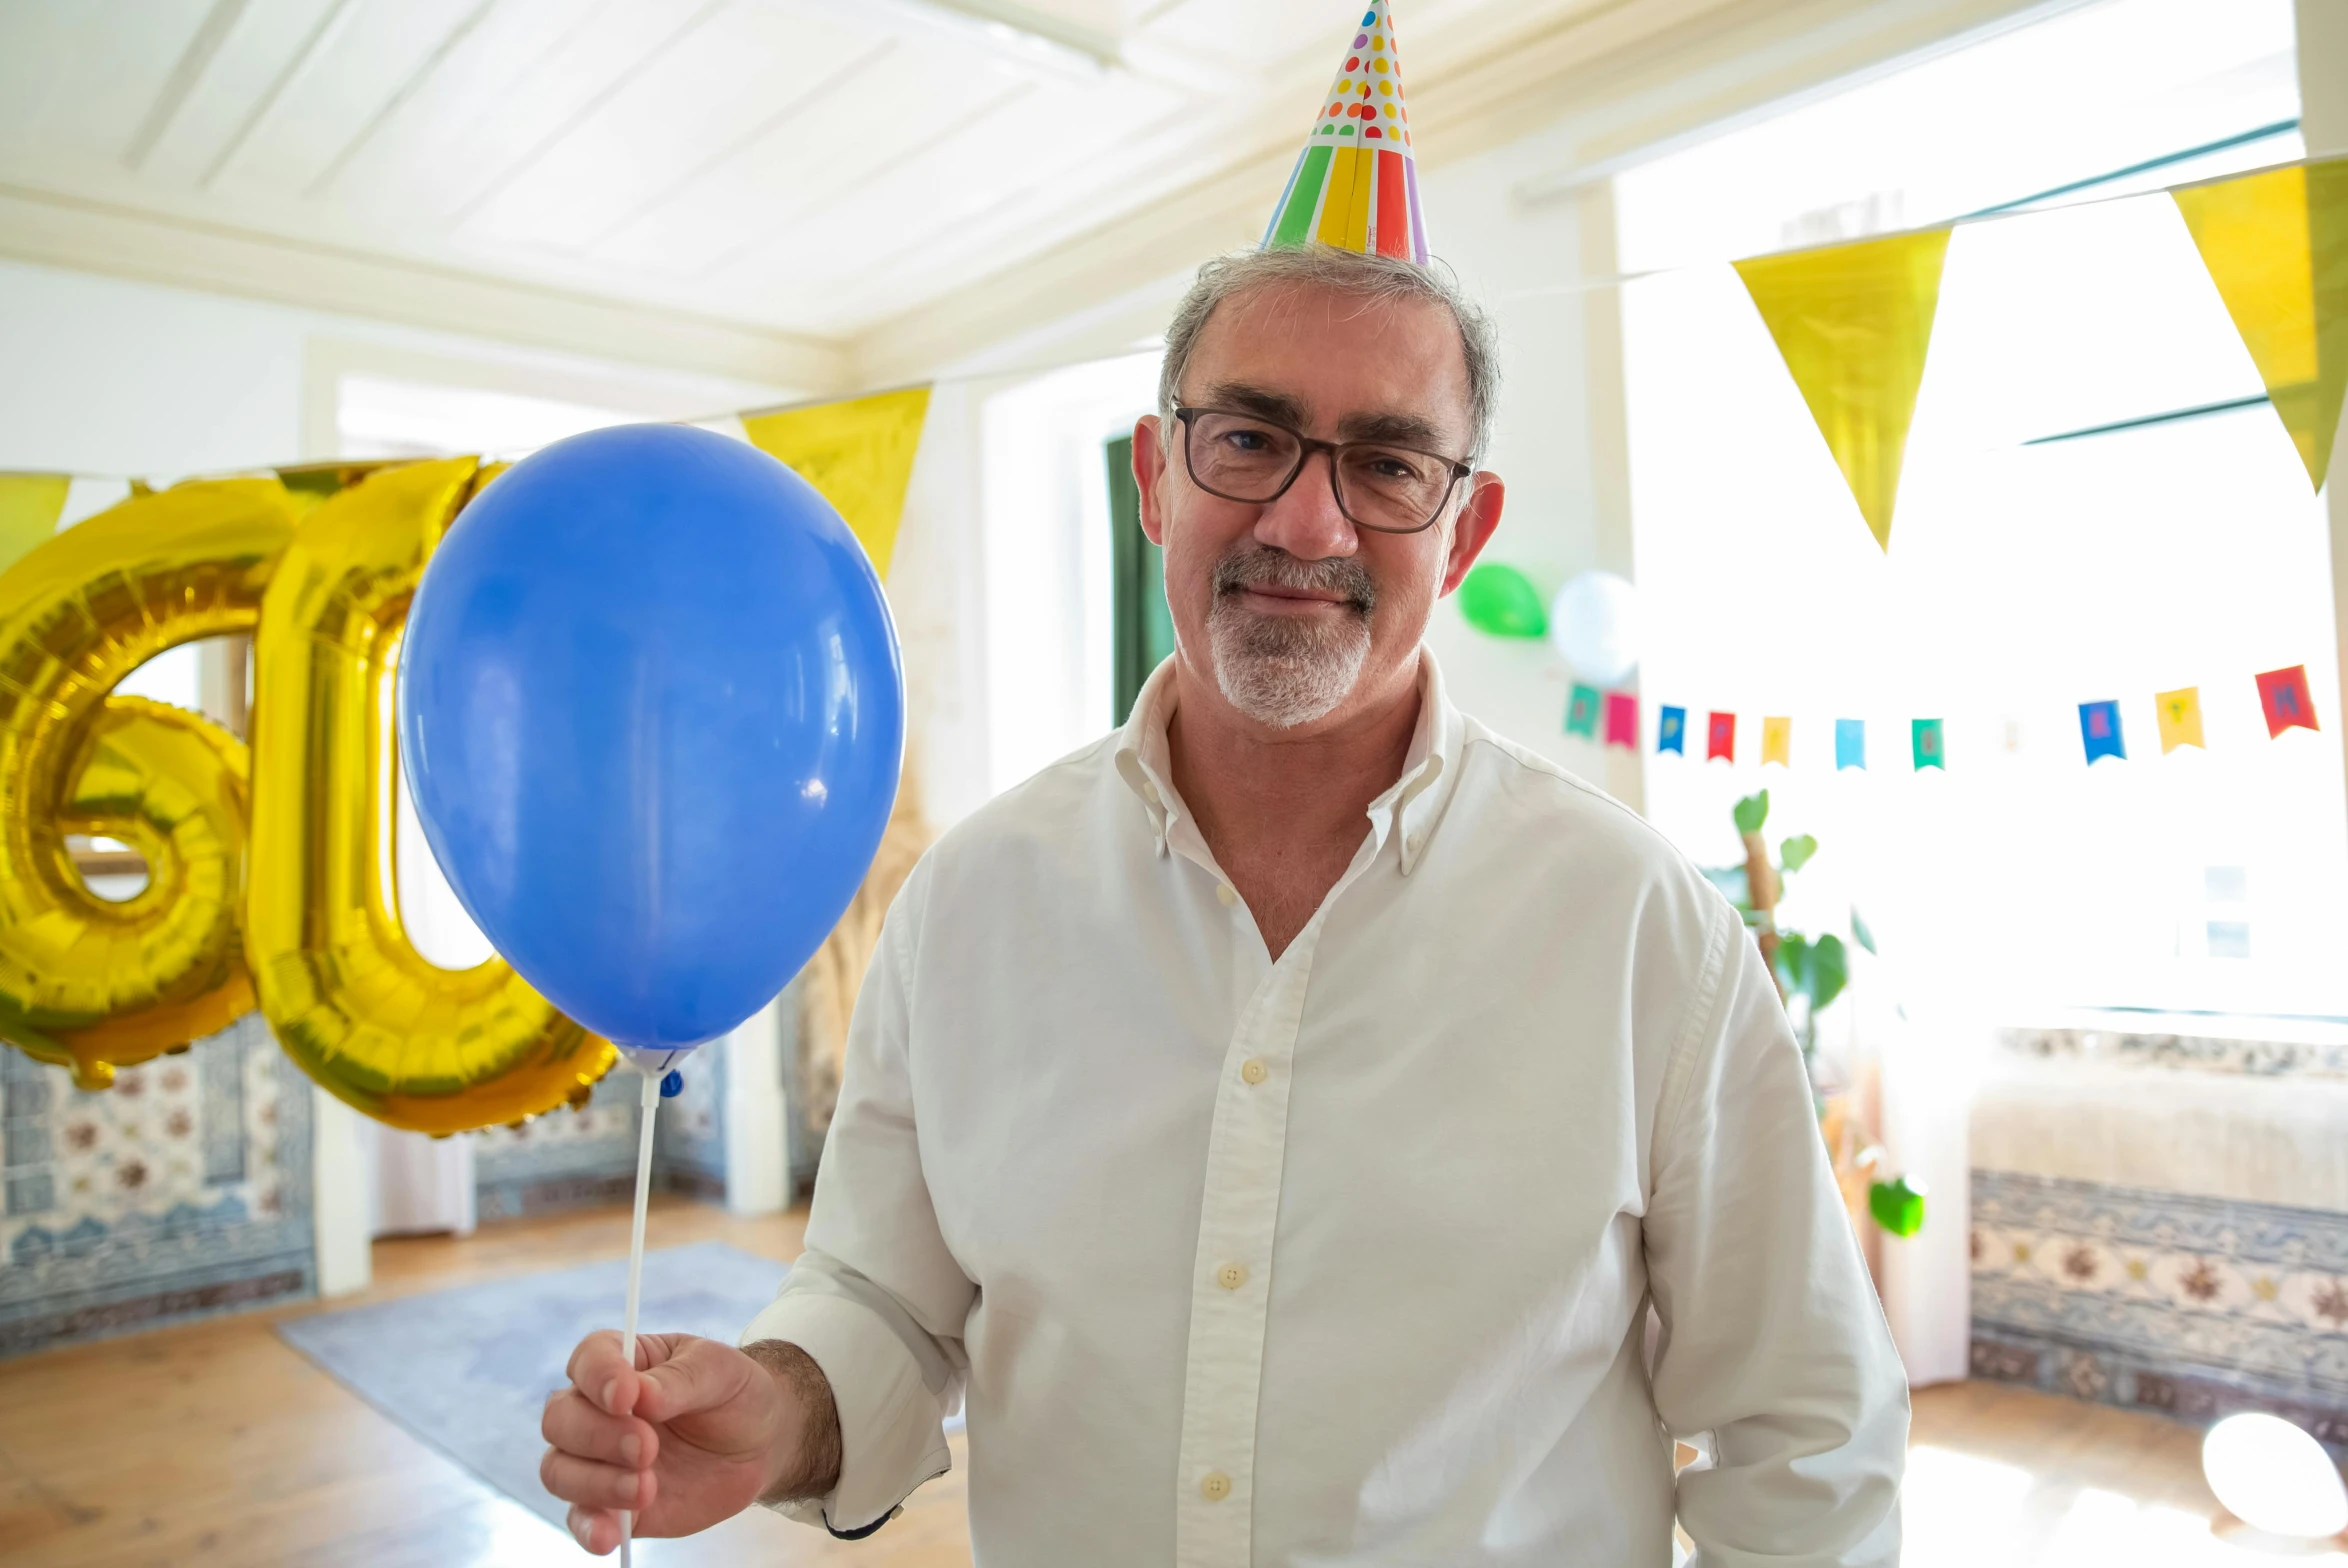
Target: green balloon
(1498, 601)
(1898, 1206)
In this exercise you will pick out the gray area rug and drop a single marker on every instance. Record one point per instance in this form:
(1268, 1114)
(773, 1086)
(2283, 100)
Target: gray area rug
(468, 1369)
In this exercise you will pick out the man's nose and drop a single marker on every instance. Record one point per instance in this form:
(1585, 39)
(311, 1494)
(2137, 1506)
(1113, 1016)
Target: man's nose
(1305, 520)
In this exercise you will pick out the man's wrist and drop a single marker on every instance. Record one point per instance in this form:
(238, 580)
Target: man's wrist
(805, 1462)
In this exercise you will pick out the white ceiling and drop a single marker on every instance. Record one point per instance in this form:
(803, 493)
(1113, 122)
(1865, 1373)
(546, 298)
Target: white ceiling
(809, 167)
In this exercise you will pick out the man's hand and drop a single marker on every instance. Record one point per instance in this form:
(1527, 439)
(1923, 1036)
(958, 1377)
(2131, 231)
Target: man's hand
(694, 1433)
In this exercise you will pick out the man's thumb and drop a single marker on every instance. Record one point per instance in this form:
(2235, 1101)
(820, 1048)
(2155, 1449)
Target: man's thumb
(698, 1374)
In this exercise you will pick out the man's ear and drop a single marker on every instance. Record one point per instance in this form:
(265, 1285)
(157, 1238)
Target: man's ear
(1478, 516)
(1149, 467)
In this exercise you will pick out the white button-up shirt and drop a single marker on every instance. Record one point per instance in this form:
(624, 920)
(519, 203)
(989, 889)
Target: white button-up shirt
(1343, 1257)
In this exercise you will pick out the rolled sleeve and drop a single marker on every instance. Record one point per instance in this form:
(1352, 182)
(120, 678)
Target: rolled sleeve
(877, 1301)
(892, 1435)
(1773, 1340)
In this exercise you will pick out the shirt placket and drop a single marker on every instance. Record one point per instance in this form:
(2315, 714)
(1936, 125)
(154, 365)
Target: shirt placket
(1231, 1281)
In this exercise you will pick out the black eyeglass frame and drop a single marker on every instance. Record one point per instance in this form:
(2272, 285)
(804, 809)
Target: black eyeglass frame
(1306, 447)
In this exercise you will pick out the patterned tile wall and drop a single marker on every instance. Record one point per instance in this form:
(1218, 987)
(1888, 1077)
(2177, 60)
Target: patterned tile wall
(689, 1139)
(2192, 1306)
(570, 1159)
(183, 1190)
(563, 1160)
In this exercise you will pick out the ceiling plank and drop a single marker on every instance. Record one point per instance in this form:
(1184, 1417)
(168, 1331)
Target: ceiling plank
(218, 23)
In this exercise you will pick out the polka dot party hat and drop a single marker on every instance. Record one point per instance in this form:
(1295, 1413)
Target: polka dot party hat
(1356, 184)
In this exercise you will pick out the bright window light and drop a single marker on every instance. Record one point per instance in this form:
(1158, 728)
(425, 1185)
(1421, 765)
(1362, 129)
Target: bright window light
(2026, 575)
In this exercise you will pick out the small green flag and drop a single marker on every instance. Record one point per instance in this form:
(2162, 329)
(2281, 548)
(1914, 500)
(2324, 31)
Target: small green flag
(1931, 751)
(1581, 712)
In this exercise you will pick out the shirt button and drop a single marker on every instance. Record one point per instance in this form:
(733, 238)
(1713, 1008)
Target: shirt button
(1231, 1276)
(1253, 1070)
(1224, 892)
(1215, 1486)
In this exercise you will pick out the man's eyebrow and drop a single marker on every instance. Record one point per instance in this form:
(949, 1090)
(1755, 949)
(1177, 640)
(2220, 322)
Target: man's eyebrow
(1395, 427)
(1259, 401)
(1399, 429)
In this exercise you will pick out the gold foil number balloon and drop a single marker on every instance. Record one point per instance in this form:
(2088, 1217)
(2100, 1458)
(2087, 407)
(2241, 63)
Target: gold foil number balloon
(366, 1015)
(84, 983)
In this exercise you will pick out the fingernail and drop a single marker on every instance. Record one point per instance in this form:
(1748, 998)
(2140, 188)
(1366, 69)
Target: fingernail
(629, 1449)
(611, 1396)
(628, 1487)
(579, 1529)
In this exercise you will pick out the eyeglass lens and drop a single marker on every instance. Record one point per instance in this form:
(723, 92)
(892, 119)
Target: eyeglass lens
(1244, 459)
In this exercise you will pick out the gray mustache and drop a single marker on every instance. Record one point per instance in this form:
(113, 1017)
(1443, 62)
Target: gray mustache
(1247, 568)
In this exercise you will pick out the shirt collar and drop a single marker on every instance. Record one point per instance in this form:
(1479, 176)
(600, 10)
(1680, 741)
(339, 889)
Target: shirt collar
(1406, 811)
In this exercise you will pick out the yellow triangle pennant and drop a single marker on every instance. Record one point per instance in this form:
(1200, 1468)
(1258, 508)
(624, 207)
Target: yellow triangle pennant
(2276, 245)
(858, 453)
(1853, 322)
(30, 505)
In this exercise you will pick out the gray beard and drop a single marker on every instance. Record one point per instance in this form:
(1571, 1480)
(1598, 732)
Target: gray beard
(1280, 671)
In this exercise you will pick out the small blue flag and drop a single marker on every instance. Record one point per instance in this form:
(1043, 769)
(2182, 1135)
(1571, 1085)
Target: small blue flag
(2099, 728)
(1850, 743)
(672, 1084)
(1673, 734)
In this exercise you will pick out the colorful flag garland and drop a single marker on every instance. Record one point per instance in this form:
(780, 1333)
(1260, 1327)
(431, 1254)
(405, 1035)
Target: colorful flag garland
(2283, 695)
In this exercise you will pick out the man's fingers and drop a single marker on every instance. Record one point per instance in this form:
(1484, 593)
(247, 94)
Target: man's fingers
(593, 1485)
(594, 1529)
(576, 1426)
(604, 1376)
(598, 1371)
(697, 1374)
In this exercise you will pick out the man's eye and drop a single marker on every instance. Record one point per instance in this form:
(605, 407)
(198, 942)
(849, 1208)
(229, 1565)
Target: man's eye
(1248, 440)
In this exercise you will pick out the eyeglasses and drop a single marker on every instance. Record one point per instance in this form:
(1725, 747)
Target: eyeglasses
(1386, 488)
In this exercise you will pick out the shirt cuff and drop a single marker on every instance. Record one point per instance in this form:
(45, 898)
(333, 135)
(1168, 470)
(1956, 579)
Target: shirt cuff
(892, 1433)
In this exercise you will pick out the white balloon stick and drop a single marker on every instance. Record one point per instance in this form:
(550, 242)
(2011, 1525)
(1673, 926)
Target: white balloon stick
(651, 1105)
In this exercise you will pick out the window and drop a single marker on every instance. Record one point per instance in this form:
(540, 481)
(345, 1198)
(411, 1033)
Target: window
(2040, 557)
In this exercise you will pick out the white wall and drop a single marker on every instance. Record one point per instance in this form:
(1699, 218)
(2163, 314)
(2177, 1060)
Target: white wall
(1559, 440)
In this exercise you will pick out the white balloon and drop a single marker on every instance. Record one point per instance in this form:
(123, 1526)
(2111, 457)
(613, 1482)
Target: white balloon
(1594, 626)
(2274, 1477)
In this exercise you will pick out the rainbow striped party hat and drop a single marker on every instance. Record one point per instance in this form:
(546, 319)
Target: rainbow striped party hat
(1356, 184)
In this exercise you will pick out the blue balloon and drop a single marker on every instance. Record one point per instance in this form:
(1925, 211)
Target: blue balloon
(652, 715)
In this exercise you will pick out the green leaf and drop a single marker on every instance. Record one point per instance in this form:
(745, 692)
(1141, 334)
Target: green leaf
(1830, 971)
(1898, 1206)
(1796, 852)
(1859, 932)
(1793, 962)
(1752, 811)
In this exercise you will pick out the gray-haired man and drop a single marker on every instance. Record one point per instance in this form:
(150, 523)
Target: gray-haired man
(1275, 1120)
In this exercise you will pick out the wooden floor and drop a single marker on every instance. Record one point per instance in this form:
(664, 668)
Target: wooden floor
(216, 1444)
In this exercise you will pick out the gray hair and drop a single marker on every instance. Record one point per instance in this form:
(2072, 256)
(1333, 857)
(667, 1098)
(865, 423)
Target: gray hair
(1374, 279)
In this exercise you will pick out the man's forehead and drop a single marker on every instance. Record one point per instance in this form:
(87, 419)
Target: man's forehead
(1368, 367)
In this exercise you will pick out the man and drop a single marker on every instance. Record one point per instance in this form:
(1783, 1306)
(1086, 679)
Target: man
(1275, 1120)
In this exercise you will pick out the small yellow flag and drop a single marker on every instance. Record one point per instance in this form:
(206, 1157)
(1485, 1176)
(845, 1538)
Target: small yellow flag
(2276, 245)
(1777, 741)
(2180, 718)
(1853, 322)
(30, 505)
(858, 453)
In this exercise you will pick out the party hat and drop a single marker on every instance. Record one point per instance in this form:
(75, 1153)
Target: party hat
(1356, 184)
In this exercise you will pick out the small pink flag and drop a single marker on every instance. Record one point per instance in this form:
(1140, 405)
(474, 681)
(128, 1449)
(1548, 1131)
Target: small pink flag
(1622, 719)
